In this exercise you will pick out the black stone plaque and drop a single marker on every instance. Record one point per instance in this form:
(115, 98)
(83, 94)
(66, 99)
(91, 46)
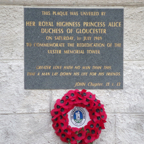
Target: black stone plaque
(73, 48)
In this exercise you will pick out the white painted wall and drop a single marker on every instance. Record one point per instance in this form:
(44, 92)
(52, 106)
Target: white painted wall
(25, 114)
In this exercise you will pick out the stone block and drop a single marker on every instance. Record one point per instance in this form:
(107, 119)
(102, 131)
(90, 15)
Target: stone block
(25, 129)
(11, 32)
(129, 129)
(13, 97)
(133, 33)
(108, 134)
(130, 99)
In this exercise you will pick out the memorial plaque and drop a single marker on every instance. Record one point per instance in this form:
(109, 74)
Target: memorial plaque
(73, 48)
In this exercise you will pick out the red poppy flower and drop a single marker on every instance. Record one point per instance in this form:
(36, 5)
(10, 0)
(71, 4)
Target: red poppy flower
(89, 138)
(90, 96)
(81, 135)
(90, 126)
(83, 92)
(63, 137)
(96, 102)
(61, 124)
(89, 105)
(74, 129)
(73, 139)
(58, 132)
(93, 115)
(72, 94)
(56, 126)
(56, 106)
(60, 102)
(82, 142)
(55, 113)
(68, 104)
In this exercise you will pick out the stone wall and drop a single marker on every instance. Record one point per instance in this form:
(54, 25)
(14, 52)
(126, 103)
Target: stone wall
(25, 114)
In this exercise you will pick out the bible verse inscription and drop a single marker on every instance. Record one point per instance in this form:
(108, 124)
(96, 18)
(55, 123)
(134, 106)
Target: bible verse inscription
(73, 48)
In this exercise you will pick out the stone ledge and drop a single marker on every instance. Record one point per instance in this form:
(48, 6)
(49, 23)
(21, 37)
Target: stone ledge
(74, 2)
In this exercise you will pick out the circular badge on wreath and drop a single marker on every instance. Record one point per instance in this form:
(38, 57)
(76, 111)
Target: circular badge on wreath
(78, 117)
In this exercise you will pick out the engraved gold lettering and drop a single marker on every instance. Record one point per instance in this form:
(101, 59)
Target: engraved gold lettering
(54, 51)
(94, 84)
(84, 73)
(74, 13)
(89, 13)
(77, 67)
(69, 30)
(76, 74)
(65, 74)
(90, 44)
(30, 73)
(30, 23)
(86, 38)
(97, 38)
(90, 31)
(80, 84)
(86, 67)
(109, 44)
(68, 67)
(64, 38)
(103, 13)
(92, 74)
(60, 13)
(28, 44)
(118, 84)
(108, 83)
(68, 24)
(73, 51)
(57, 67)
(46, 13)
(45, 23)
(70, 44)
(117, 44)
(93, 51)
(52, 30)
(114, 24)
(45, 74)
(101, 74)
(97, 67)
(49, 44)
(113, 74)
(78, 38)
(107, 67)
(48, 37)
(54, 73)
(94, 24)
(43, 67)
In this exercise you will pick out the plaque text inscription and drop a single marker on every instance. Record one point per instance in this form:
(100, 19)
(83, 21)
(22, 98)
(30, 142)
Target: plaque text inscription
(73, 48)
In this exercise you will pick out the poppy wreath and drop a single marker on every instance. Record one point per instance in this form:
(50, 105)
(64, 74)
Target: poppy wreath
(78, 135)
